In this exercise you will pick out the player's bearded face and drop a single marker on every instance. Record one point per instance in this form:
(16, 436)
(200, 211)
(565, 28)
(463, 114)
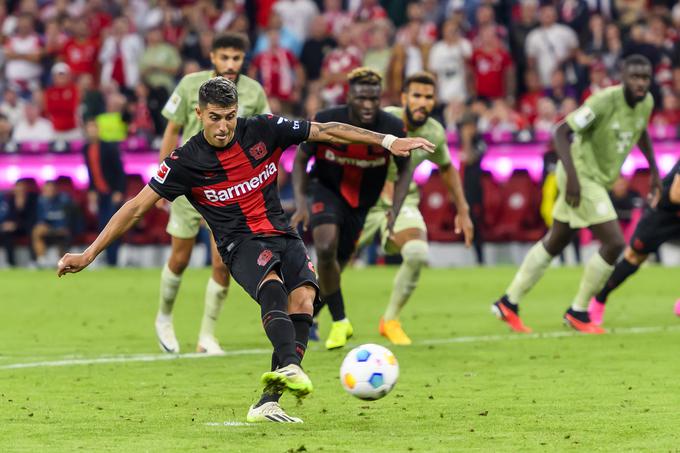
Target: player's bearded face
(636, 80)
(419, 102)
(364, 103)
(227, 62)
(219, 123)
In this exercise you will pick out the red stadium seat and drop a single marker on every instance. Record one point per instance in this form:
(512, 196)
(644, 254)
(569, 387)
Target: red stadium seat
(151, 228)
(519, 218)
(437, 210)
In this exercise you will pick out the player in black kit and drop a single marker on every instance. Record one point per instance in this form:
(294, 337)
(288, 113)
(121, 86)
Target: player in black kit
(657, 225)
(228, 172)
(346, 182)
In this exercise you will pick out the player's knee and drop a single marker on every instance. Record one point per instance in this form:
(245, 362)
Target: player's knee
(301, 300)
(415, 253)
(220, 273)
(326, 252)
(272, 297)
(178, 262)
(613, 248)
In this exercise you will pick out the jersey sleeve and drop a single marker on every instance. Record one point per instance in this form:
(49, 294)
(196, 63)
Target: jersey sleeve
(590, 112)
(285, 132)
(168, 181)
(176, 108)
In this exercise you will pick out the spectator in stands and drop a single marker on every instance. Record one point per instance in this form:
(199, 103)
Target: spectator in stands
(97, 17)
(92, 102)
(598, 80)
(369, 11)
(669, 115)
(120, 55)
(408, 57)
(19, 219)
(287, 38)
(298, 15)
(52, 223)
(315, 48)
(550, 45)
(559, 90)
(107, 180)
(492, 67)
(33, 128)
(486, 17)
(229, 12)
(528, 102)
(427, 31)
(378, 52)
(160, 62)
(335, 17)
(112, 124)
(575, 14)
(449, 61)
(53, 45)
(614, 51)
(519, 30)
(629, 11)
(546, 116)
(23, 51)
(280, 73)
(12, 106)
(61, 104)
(143, 121)
(337, 64)
(5, 132)
(472, 149)
(81, 51)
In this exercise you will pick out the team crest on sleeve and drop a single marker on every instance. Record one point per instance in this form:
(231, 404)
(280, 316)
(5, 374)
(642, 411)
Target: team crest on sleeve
(173, 103)
(258, 151)
(584, 116)
(162, 173)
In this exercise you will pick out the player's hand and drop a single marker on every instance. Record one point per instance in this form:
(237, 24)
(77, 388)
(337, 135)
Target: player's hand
(573, 195)
(463, 223)
(72, 263)
(403, 146)
(301, 215)
(654, 191)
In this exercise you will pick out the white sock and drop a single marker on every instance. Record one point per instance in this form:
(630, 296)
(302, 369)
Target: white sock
(595, 275)
(532, 269)
(215, 295)
(169, 287)
(414, 254)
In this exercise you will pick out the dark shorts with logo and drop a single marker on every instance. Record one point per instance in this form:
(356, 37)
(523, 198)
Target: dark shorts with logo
(326, 207)
(656, 226)
(254, 258)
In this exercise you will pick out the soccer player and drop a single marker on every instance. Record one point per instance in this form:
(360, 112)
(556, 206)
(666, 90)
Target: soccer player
(604, 128)
(227, 56)
(228, 173)
(658, 224)
(410, 231)
(346, 182)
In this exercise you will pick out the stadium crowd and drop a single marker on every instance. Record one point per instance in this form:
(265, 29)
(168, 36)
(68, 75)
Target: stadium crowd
(514, 67)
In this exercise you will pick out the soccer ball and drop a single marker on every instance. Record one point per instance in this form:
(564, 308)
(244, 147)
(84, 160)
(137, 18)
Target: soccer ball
(369, 371)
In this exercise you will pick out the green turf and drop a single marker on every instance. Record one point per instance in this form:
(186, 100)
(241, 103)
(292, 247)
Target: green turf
(618, 392)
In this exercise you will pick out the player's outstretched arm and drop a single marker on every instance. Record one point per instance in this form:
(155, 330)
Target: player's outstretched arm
(344, 134)
(463, 222)
(645, 145)
(563, 150)
(404, 178)
(122, 220)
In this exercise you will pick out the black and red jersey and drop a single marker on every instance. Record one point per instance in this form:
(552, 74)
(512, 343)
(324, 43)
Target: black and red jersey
(234, 187)
(354, 172)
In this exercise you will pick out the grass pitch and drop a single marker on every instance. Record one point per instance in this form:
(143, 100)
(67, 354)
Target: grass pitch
(80, 369)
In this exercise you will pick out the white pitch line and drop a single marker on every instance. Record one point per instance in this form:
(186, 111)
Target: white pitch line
(237, 352)
(229, 423)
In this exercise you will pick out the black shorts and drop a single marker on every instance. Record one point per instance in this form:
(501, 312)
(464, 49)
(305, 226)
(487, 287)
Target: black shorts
(254, 258)
(328, 207)
(655, 227)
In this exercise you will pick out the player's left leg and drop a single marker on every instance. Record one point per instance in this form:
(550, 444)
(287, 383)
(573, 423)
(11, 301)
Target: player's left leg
(596, 272)
(215, 295)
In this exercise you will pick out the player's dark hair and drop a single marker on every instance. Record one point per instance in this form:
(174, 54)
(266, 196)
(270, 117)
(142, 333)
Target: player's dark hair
(218, 91)
(237, 41)
(419, 77)
(636, 60)
(364, 76)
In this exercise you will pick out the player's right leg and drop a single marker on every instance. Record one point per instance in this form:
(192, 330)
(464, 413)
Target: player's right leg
(183, 227)
(655, 227)
(530, 272)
